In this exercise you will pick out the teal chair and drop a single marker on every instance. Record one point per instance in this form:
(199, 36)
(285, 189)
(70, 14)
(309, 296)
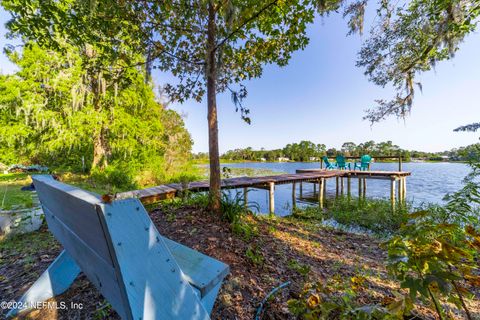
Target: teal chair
(328, 164)
(341, 164)
(364, 163)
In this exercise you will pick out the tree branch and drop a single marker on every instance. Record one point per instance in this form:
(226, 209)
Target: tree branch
(256, 15)
(163, 51)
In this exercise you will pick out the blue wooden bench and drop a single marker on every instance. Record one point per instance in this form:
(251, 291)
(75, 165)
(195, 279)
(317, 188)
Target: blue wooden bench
(142, 274)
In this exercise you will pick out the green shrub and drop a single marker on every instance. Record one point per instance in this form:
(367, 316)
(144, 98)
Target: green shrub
(115, 178)
(435, 260)
(254, 255)
(338, 300)
(200, 199)
(308, 213)
(233, 207)
(376, 215)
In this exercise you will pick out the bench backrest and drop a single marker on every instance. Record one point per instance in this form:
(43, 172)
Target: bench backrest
(119, 249)
(340, 160)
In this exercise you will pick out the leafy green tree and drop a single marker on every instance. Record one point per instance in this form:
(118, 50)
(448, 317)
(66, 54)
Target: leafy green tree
(349, 148)
(48, 115)
(105, 47)
(366, 147)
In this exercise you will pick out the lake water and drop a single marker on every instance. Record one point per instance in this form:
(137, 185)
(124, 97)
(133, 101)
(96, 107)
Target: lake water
(428, 183)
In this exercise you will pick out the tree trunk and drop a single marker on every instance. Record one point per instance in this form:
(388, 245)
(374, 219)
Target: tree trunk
(212, 112)
(100, 144)
(100, 150)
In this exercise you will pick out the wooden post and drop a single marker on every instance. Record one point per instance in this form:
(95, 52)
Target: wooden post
(336, 186)
(301, 190)
(320, 192)
(400, 190)
(321, 163)
(364, 187)
(314, 188)
(341, 186)
(359, 188)
(245, 197)
(400, 163)
(324, 183)
(271, 198)
(392, 192)
(405, 189)
(294, 195)
(349, 184)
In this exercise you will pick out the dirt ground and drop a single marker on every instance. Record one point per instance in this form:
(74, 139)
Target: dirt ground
(281, 250)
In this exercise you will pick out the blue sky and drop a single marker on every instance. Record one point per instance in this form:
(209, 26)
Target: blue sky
(321, 96)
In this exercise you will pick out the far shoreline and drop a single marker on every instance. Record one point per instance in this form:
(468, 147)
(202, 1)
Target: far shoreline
(222, 161)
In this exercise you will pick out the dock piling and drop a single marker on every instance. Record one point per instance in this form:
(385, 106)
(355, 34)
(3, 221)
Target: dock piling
(400, 190)
(294, 195)
(245, 197)
(324, 188)
(364, 188)
(359, 188)
(336, 186)
(392, 192)
(320, 192)
(349, 184)
(271, 197)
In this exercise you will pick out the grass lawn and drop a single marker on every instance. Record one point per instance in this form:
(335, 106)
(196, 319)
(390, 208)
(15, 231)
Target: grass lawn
(11, 196)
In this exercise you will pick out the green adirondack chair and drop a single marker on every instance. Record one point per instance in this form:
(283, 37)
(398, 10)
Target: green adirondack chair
(328, 164)
(342, 164)
(364, 163)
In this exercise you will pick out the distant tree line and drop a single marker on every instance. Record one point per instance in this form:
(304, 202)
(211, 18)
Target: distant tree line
(309, 151)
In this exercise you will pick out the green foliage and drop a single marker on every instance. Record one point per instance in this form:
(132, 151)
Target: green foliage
(376, 215)
(235, 210)
(103, 312)
(233, 207)
(435, 255)
(115, 178)
(48, 115)
(11, 195)
(245, 229)
(469, 153)
(336, 300)
(431, 260)
(254, 254)
(199, 199)
(28, 244)
(308, 213)
(307, 151)
(301, 268)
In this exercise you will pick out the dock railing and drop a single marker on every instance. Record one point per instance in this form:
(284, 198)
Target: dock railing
(399, 157)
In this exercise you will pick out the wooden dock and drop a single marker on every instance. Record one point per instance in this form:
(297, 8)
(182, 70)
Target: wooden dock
(316, 176)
